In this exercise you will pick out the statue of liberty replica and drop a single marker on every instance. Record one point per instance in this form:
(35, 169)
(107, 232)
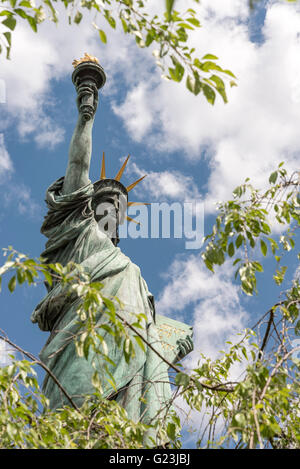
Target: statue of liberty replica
(80, 231)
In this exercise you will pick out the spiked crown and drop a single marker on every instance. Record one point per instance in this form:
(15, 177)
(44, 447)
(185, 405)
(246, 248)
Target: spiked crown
(111, 187)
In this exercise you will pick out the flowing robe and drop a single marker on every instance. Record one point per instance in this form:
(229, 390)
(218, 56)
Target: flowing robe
(73, 235)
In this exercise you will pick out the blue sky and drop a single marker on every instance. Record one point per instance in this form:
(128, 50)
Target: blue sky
(190, 151)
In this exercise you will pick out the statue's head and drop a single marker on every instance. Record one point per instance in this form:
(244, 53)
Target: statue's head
(110, 205)
(110, 202)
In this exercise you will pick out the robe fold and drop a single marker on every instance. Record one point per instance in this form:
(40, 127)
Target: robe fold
(73, 235)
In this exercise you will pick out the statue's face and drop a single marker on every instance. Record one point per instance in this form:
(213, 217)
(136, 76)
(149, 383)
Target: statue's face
(109, 213)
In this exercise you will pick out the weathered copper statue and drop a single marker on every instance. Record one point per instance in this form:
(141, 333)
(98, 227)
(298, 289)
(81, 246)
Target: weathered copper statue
(72, 228)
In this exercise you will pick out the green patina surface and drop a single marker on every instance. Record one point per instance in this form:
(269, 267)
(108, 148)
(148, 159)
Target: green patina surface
(73, 235)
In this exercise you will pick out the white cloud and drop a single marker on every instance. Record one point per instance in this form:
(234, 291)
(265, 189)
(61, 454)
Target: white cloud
(217, 310)
(247, 137)
(218, 316)
(162, 185)
(43, 129)
(137, 104)
(258, 128)
(14, 194)
(5, 351)
(35, 61)
(19, 196)
(39, 59)
(296, 276)
(6, 165)
(223, 9)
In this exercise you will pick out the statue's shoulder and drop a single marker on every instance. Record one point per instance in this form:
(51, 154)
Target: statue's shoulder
(131, 265)
(55, 192)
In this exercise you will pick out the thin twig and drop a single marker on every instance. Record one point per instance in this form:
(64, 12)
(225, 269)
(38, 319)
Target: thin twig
(218, 387)
(266, 336)
(33, 358)
(274, 371)
(256, 419)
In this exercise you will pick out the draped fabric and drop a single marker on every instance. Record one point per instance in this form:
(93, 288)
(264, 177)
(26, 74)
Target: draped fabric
(73, 235)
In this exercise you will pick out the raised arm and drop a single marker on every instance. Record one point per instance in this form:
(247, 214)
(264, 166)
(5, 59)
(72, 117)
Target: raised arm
(80, 151)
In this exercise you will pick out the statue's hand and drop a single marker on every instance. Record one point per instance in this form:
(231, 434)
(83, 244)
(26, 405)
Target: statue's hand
(185, 346)
(87, 99)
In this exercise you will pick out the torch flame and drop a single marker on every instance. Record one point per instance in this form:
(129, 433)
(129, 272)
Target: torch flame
(86, 58)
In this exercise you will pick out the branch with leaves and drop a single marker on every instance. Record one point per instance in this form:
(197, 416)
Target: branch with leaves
(263, 410)
(246, 221)
(168, 31)
(260, 408)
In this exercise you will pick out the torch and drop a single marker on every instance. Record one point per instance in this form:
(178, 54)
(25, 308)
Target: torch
(88, 71)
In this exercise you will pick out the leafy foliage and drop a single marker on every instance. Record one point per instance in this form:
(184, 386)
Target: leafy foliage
(245, 223)
(26, 420)
(257, 408)
(262, 407)
(24, 425)
(168, 31)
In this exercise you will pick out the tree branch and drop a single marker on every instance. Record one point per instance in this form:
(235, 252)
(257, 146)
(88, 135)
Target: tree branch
(33, 358)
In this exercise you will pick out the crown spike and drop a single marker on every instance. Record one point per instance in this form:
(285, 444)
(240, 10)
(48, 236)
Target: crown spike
(131, 219)
(103, 168)
(119, 175)
(130, 204)
(135, 183)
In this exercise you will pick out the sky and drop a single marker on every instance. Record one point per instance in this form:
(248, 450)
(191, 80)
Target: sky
(190, 151)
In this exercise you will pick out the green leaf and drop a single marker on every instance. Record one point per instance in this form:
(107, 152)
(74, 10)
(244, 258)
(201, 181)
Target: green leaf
(196, 23)
(228, 72)
(126, 349)
(190, 83)
(110, 18)
(124, 25)
(33, 23)
(182, 379)
(10, 22)
(194, 84)
(109, 304)
(78, 17)
(149, 39)
(209, 57)
(48, 277)
(12, 284)
(208, 65)
(239, 240)
(169, 8)
(263, 247)
(185, 26)
(238, 191)
(171, 431)
(273, 177)
(140, 342)
(209, 93)
(220, 86)
(236, 261)
(21, 13)
(53, 11)
(279, 276)
(7, 35)
(177, 72)
(102, 36)
(231, 249)
(258, 266)
(240, 419)
(21, 276)
(25, 3)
